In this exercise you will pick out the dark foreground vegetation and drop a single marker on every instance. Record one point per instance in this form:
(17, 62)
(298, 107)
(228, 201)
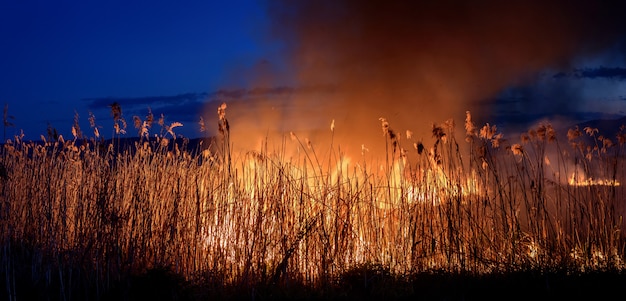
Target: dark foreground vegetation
(153, 218)
(366, 282)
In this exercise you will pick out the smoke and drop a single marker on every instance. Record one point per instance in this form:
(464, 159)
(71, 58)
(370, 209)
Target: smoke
(418, 62)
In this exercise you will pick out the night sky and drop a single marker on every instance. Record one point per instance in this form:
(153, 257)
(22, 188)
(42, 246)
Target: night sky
(285, 66)
(58, 57)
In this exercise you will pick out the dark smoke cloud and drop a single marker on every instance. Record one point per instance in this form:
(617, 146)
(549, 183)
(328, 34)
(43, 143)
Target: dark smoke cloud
(601, 72)
(96, 103)
(548, 98)
(419, 62)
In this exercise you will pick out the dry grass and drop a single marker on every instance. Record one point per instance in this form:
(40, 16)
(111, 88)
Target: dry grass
(79, 217)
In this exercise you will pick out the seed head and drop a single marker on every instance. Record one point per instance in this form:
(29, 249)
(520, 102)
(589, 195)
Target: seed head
(384, 125)
(470, 129)
(202, 125)
(116, 111)
(449, 125)
(223, 126)
(541, 132)
(573, 134)
(170, 128)
(149, 118)
(162, 120)
(76, 132)
(488, 131)
(496, 140)
(221, 111)
(419, 147)
(591, 131)
(438, 132)
(92, 120)
(517, 149)
(137, 122)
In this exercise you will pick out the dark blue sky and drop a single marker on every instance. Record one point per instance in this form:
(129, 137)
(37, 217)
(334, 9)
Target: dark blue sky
(58, 57)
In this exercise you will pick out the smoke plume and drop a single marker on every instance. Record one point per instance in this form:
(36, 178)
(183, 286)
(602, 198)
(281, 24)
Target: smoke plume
(417, 62)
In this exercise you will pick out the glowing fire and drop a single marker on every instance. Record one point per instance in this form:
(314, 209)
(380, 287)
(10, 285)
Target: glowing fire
(574, 181)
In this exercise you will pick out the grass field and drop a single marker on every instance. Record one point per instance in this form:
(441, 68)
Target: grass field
(87, 218)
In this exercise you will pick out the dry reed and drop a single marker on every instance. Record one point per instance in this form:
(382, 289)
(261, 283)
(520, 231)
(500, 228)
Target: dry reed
(81, 215)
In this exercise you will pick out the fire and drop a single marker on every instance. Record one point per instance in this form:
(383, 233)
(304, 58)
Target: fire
(437, 186)
(274, 210)
(574, 181)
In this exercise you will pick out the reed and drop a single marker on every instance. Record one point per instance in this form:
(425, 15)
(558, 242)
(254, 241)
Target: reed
(79, 217)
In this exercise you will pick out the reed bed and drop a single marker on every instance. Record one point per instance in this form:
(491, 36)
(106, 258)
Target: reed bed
(78, 217)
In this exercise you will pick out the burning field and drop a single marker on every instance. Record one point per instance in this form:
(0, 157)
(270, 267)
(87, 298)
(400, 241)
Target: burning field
(80, 217)
(393, 184)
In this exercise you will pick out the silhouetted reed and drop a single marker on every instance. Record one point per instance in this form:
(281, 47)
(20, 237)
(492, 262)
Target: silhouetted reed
(79, 217)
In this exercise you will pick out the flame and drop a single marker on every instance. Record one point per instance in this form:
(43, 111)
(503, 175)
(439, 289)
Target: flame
(582, 181)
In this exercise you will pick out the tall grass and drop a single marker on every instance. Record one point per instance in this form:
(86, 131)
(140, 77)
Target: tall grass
(78, 217)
